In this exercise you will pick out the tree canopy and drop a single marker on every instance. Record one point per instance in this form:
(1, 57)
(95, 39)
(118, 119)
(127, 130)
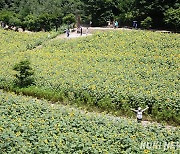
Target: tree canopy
(49, 14)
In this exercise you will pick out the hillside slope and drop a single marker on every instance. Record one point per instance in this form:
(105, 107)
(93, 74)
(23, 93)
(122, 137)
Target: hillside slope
(29, 125)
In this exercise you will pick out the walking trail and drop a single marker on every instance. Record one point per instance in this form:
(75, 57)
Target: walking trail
(64, 36)
(89, 32)
(115, 118)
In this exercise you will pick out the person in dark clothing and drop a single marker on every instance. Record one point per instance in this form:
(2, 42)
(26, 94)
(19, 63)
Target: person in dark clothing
(81, 30)
(68, 32)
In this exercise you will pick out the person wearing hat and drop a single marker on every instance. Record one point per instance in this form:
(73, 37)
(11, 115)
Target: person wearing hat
(139, 112)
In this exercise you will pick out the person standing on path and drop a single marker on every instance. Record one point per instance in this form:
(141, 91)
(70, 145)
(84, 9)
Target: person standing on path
(67, 32)
(81, 30)
(135, 24)
(87, 30)
(90, 23)
(116, 24)
(139, 112)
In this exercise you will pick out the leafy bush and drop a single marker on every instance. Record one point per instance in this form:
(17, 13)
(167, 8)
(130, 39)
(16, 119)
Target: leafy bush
(146, 23)
(31, 22)
(24, 76)
(172, 17)
(6, 16)
(69, 19)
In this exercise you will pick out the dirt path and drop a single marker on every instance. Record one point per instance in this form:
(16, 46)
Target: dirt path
(86, 33)
(114, 118)
(64, 36)
(72, 35)
(89, 32)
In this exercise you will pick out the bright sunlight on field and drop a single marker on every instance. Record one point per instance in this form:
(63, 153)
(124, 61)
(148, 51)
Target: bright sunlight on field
(118, 70)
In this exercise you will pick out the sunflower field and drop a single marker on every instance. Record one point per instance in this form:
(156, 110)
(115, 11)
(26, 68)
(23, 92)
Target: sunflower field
(29, 125)
(112, 70)
(14, 41)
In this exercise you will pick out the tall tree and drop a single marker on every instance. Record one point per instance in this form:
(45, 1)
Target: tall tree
(154, 9)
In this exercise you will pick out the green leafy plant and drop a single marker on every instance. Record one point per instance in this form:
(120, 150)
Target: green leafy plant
(146, 23)
(69, 19)
(24, 75)
(30, 125)
(172, 18)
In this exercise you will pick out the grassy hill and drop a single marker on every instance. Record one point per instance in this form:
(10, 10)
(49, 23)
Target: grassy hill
(112, 70)
(14, 41)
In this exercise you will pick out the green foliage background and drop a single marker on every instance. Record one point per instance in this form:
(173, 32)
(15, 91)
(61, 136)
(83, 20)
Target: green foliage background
(48, 14)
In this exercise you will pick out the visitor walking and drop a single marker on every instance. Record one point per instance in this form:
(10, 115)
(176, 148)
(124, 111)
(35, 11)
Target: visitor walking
(87, 30)
(139, 112)
(116, 24)
(135, 24)
(67, 32)
(109, 23)
(113, 24)
(90, 23)
(81, 30)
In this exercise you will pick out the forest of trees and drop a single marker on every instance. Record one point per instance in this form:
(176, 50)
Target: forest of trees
(46, 15)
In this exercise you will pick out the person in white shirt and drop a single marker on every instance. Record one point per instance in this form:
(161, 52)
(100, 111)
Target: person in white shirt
(139, 112)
